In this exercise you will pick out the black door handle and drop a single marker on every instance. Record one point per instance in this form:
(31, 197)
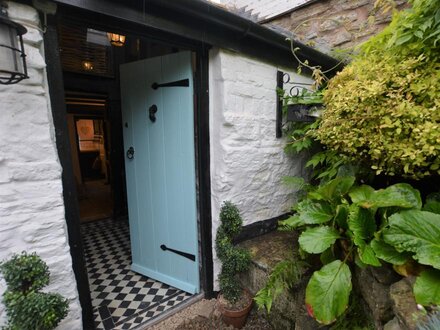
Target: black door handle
(130, 153)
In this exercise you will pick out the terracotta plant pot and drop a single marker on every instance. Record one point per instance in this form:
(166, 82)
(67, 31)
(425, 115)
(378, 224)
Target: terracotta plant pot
(236, 318)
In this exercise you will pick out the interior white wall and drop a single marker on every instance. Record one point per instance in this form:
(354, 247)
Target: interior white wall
(247, 160)
(31, 199)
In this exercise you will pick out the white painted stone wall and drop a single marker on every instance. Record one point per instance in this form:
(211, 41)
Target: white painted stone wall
(247, 160)
(31, 202)
(265, 8)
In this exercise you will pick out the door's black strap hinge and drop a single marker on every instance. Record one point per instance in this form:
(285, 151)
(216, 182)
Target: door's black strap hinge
(183, 254)
(177, 83)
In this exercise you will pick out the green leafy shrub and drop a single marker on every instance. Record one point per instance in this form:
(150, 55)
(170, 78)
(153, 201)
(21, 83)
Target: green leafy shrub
(349, 224)
(25, 272)
(27, 307)
(383, 109)
(382, 116)
(234, 260)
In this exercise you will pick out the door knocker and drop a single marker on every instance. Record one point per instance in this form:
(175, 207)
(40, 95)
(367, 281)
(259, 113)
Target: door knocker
(153, 110)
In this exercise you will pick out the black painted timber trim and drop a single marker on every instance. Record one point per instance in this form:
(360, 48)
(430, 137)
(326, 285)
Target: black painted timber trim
(56, 87)
(259, 228)
(279, 107)
(199, 20)
(204, 173)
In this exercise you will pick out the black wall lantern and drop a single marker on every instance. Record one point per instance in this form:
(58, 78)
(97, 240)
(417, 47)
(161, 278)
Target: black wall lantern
(12, 57)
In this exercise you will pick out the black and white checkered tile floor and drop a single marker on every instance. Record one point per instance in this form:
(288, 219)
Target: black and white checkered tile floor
(121, 298)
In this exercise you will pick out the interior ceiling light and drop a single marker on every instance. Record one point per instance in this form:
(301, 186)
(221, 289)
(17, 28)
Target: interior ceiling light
(115, 39)
(12, 57)
(87, 65)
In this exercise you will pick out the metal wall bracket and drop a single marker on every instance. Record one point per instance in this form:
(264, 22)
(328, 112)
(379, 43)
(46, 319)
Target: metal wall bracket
(294, 89)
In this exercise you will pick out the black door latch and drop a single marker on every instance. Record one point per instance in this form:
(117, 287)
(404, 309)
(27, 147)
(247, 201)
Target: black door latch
(183, 254)
(177, 83)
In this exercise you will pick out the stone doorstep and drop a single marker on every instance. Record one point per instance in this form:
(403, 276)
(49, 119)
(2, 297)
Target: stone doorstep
(269, 249)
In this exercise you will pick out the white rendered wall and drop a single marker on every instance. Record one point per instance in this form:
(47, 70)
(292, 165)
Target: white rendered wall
(31, 202)
(247, 160)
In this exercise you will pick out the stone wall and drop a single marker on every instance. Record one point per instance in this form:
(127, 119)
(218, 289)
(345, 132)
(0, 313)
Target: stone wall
(247, 160)
(31, 200)
(330, 24)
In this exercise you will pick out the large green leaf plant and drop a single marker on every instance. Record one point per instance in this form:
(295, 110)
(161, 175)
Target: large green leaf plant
(381, 116)
(351, 225)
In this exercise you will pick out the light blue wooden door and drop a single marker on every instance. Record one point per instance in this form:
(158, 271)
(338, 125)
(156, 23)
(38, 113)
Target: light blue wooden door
(158, 127)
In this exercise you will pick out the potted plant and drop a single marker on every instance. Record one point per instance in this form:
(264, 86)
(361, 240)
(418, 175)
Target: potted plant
(235, 302)
(27, 306)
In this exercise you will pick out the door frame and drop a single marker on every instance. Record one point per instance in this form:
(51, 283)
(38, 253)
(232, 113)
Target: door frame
(201, 138)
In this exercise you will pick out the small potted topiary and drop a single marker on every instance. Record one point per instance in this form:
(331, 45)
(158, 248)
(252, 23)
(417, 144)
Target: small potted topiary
(235, 302)
(26, 306)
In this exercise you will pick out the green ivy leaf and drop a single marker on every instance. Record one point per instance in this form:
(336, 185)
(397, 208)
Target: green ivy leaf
(336, 188)
(314, 212)
(403, 39)
(361, 222)
(328, 291)
(427, 287)
(432, 206)
(388, 253)
(361, 193)
(358, 261)
(367, 255)
(341, 216)
(401, 195)
(318, 239)
(432, 203)
(418, 232)
(327, 256)
(290, 223)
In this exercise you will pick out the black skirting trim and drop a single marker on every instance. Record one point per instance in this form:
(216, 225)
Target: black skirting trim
(259, 228)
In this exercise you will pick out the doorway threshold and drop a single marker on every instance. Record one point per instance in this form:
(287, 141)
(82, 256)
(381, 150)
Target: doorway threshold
(174, 310)
(121, 298)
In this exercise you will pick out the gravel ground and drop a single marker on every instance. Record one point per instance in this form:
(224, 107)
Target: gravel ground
(204, 315)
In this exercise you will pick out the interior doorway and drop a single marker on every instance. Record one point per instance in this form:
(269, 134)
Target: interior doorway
(94, 190)
(89, 141)
(124, 296)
